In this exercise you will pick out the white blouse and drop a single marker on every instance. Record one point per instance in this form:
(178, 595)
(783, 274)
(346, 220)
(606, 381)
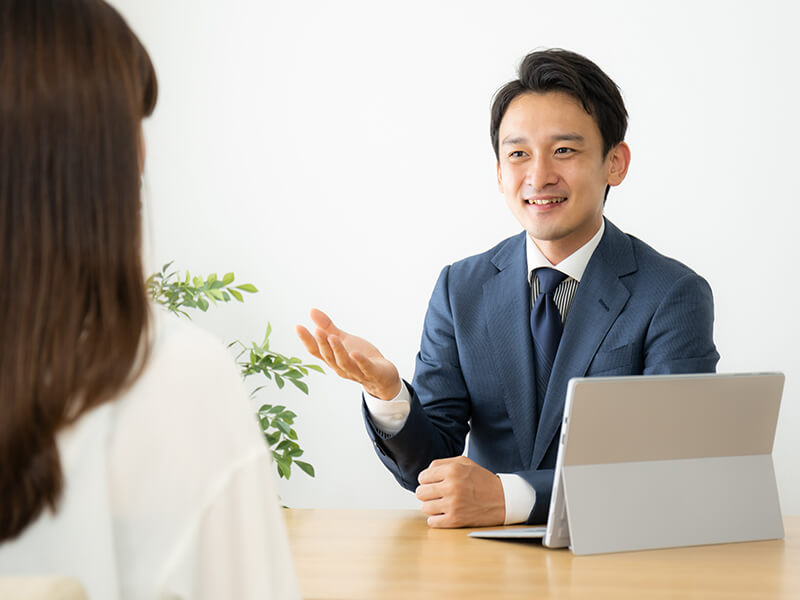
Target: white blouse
(170, 489)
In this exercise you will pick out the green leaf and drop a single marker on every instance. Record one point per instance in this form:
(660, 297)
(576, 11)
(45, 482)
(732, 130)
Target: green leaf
(279, 381)
(300, 386)
(197, 282)
(255, 391)
(211, 278)
(237, 295)
(288, 416)
(216, 294)
(203, 304)
(316, 368)
(272, 438)
(284, 468)
(287, 445)
(306, 467)
(276, 409)
(284, 427)
(227, 279)
(247, 287)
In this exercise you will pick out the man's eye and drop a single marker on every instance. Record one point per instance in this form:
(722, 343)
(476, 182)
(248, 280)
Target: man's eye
(564, 151)
(517, 154)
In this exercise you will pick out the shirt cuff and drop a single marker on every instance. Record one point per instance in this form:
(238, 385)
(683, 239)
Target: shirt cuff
(519, 496)
(389, 416)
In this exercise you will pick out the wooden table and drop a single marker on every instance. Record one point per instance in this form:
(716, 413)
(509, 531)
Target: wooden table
(392, 554)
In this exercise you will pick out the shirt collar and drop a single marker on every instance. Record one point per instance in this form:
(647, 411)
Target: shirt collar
(572, 266)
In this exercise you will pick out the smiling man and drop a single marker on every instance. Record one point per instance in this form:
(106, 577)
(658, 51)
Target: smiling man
(570, 296)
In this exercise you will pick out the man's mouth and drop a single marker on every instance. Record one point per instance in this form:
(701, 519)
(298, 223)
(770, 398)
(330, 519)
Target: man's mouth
(544, 201)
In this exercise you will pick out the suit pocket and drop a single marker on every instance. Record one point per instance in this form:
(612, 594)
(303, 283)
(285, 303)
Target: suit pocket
(617, 361)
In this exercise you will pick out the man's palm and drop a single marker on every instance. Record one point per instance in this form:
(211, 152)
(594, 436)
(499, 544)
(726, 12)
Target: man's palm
(351, 357)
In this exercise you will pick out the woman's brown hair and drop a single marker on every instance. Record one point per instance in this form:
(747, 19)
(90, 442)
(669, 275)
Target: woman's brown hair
(75, 83)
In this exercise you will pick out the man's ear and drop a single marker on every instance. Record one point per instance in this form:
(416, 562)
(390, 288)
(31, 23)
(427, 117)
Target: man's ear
(499, 178)
(619, 163)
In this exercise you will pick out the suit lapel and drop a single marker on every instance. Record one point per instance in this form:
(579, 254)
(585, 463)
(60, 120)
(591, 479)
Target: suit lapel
(506, 305)
(598, 302)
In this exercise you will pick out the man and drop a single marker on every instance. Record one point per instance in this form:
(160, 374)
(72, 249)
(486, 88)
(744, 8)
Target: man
(505, 330)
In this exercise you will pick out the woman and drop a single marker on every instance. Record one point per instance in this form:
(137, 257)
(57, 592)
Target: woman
(128, 455)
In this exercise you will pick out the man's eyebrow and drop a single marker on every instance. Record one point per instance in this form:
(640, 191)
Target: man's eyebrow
(567, 137)
(513, 141)
(558, 137)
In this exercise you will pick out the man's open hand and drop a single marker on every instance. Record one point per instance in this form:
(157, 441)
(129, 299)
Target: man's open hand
(457, 492)
(351, 357)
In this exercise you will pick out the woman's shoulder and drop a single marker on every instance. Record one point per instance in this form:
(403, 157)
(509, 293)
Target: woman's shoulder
(185, 357)
(180, 342)
(189, 395)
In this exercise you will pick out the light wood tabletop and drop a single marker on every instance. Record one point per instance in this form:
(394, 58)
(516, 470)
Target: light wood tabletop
(393, 554)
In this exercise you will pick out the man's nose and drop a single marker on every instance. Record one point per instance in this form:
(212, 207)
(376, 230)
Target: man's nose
(541, 173)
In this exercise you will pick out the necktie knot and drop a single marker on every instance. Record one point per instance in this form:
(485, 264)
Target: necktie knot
(549, 279)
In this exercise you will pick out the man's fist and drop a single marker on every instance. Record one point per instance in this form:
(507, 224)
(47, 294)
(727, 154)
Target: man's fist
(457, 492)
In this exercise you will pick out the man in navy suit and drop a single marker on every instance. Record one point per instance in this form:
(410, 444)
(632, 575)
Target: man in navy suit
(623, 309)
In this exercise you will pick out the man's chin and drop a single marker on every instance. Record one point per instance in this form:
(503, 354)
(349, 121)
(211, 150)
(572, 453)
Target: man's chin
(546, 234)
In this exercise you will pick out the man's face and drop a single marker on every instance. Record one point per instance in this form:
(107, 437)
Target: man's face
(552, 171)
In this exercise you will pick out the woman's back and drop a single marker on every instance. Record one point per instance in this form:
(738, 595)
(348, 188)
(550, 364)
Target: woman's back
(170, 489)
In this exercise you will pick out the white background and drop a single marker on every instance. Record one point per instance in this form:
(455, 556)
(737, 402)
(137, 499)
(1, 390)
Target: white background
(336, 154)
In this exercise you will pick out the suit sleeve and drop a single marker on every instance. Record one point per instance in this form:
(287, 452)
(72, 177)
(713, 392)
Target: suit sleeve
(680, 336)
(438, 421)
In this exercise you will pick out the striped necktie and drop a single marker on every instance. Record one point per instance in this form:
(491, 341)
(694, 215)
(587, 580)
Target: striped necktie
(546, 330)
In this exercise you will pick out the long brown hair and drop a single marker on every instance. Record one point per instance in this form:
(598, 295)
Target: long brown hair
(75, 83)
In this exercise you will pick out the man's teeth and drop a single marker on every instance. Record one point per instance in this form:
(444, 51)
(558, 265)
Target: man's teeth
(545, 201)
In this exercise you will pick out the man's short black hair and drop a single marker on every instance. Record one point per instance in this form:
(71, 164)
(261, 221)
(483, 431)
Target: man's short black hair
(558, 70)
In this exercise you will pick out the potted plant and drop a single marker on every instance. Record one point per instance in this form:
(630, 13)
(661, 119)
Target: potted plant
(178, 294)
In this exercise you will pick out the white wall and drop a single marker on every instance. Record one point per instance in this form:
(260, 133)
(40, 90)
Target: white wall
(336, 155)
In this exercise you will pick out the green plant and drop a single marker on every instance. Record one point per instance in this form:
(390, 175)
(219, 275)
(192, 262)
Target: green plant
(178, 293)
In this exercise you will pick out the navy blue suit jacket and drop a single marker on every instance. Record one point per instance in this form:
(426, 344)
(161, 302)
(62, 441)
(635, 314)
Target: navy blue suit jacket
(635, 312)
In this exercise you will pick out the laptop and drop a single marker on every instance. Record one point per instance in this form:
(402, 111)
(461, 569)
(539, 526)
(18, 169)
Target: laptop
(658, 461)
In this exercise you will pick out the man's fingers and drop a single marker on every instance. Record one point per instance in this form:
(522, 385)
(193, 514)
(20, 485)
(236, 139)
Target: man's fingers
(327, 354)
(431, 475)
(434, 507)
(429, 491)
(308, 341)
(442, 521)
(324, 322)
(324, 347)
(343, 359)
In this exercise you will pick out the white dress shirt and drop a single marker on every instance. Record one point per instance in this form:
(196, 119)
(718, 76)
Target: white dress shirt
(169, 489)
(390, 416)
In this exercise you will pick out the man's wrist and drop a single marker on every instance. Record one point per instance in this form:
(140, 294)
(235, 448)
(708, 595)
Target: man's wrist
(387, 394)
(389, 415)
